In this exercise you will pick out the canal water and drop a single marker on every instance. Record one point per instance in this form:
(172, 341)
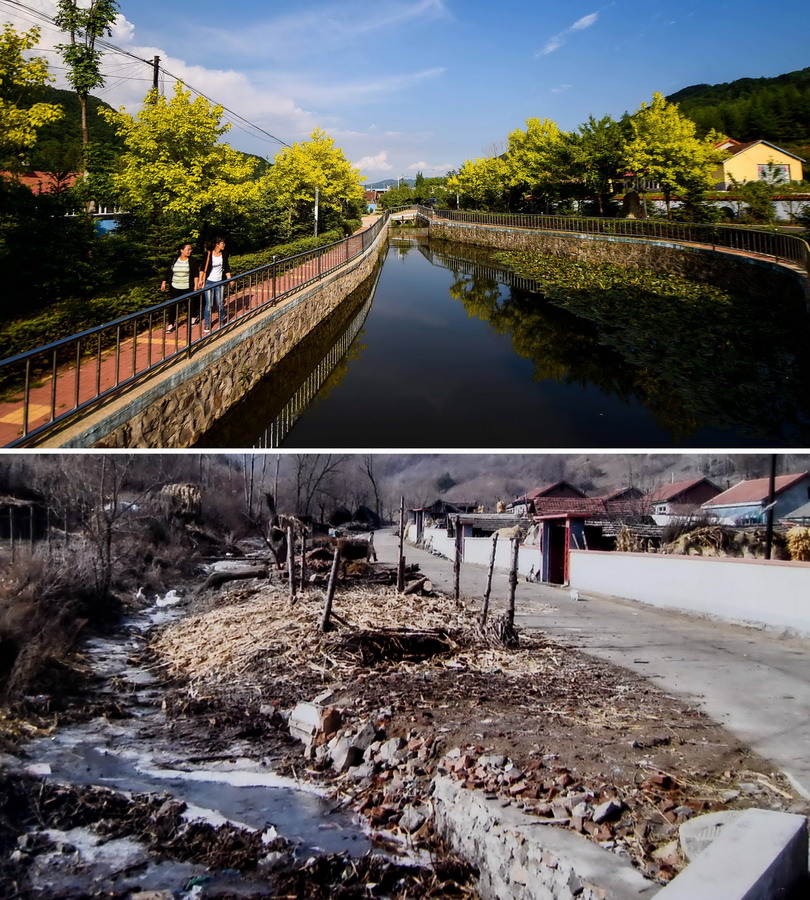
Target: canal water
(445, 348)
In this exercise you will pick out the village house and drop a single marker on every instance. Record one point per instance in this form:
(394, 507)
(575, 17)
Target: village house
(799, 516)
(524, 506)
(755, 161)
(746, 503)
(680, 499)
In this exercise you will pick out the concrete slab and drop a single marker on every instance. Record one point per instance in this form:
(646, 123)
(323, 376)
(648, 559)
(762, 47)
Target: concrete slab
(761, 855)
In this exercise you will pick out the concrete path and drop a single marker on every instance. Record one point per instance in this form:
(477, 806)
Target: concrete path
(755, 683)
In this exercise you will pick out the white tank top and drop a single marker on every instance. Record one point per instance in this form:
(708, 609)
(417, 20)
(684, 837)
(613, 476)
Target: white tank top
(216, 268)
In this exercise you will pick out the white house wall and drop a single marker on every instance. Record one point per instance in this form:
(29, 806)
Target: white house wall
(477, 551)
(769, 593)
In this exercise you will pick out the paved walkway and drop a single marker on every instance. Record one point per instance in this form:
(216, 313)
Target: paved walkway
(143, 342)
(755, 683)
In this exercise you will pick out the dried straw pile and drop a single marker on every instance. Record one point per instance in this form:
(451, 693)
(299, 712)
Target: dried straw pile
(798, 540)
(263, 642)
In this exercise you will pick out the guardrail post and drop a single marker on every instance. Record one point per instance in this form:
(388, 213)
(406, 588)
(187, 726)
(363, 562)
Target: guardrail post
(274, 277)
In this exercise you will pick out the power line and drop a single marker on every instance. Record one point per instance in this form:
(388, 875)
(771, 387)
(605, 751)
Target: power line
(107, 45)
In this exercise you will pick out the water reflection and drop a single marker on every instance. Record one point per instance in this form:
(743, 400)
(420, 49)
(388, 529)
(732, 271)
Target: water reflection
(266, 416)
(701, 366)
(458, 352)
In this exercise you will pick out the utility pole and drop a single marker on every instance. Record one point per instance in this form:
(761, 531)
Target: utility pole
(771, 504)
(156, 73)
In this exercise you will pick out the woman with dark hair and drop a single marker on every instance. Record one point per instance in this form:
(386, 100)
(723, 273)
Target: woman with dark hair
(215, 270)
(181, 277)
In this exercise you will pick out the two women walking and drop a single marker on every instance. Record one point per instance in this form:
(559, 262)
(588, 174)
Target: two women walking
(184, 275)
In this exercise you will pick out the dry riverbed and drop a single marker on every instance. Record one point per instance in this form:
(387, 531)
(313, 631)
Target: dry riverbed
(405, 687)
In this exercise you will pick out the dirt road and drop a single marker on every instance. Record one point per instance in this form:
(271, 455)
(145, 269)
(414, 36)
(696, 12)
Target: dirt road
(754, 682)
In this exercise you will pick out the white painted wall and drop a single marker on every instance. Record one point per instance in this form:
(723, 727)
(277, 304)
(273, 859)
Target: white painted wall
(477, 550)
(437, 539)
(768, 593)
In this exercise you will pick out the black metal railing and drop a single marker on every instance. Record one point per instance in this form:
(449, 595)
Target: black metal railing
(48, 384)
(779, 246)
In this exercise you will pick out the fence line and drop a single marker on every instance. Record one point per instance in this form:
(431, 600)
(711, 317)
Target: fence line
(786, 247)
(62, 378)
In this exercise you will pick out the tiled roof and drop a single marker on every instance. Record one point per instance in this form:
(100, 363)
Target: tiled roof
(803, 512)
(674, 490)
(740, 148)
(546, 488)
(43, 182)
(589, 507)
(619, 492)
(755, 490)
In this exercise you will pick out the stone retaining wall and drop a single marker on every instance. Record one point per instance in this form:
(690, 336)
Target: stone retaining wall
(731, 271)
(520, 858)
(174, 406)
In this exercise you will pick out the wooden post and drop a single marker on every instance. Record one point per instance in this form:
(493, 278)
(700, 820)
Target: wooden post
(330, 592)
(485, 607)
(303, 560)
(513, 578)
(401, 562)
(457, 562)
(291, 562)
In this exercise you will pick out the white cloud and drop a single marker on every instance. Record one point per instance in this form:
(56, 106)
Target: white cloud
(423, 166)
(561, 89)
(315, 30)
(555, 42)
(584, 22)
(378, 163)
(316, 91)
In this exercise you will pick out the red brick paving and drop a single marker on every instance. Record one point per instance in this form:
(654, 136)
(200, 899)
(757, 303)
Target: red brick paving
(148, 347)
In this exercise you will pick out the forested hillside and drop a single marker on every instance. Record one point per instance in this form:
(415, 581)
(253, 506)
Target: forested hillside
(773, 109)
(58, 147)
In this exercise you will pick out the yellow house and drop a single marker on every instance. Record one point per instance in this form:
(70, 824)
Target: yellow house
(754, 161)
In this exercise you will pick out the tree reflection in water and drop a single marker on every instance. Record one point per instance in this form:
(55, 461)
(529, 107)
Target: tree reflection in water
(723, 364)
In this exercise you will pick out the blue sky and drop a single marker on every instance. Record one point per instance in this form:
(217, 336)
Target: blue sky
(425, 84)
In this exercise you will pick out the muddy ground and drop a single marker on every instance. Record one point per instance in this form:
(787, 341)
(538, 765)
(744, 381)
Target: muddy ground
(590, 746)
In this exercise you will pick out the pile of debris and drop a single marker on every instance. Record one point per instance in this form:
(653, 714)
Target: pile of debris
(387, 777)
(255, 638)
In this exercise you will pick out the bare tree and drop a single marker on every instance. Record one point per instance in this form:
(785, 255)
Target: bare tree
(312, 472)
(368, 466)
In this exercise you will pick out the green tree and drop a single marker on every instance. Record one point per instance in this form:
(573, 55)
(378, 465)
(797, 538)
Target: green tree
(536, 158)
(664, 147)
(597, 156)
(175, 172)
(20, 79)
(85, 25)
(482, 183)
(298, 170)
